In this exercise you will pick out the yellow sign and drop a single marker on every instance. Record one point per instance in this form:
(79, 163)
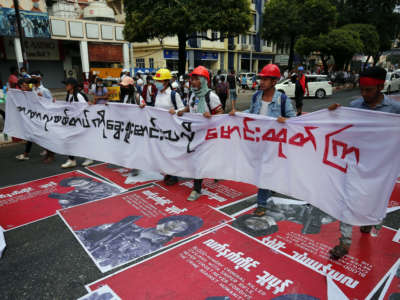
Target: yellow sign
(107, 72)
(113, 93)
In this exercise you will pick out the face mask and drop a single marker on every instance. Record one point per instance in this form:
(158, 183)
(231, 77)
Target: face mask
(36, 4)
(99, 84)
(159, 85)
(194, 89)
(24, 73)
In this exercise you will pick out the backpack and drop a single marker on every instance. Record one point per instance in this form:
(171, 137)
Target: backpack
(173, 99)
(221, 88)
(207, 100)
(283, 101)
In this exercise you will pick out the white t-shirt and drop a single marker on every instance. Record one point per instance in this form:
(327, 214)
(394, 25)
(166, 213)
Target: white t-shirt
(163, 100)
(264, 108)
(215, 103)
(79, 97)
(148, 96)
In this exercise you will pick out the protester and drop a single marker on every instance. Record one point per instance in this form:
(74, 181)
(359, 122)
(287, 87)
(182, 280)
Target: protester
(41, 91)
(272, 103)
(202, 100)
(38, 87)
(371, 83)
(166, 99)
(127, 91)
(74, 96)
(244, 82)
(23, 85)
(231, 78)
(124, 73)
(149, 91)
(222, 91)
(301, 88)
(23, 73)
(13, 78)
(100, 93)
(139, 83)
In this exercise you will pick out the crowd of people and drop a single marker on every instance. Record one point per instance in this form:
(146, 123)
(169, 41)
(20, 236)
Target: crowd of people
(194, 94)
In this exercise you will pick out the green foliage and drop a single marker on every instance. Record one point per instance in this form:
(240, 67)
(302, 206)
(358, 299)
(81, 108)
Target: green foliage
(368, 35)
(148, 19)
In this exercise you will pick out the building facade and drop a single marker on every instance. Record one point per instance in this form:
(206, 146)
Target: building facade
(85, 34)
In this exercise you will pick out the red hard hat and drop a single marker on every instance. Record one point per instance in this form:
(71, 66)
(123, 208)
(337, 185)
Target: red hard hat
(201, 71)
(270, 70)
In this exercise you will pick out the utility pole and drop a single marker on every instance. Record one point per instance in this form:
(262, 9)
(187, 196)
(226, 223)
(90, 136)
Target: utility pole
(20, 31)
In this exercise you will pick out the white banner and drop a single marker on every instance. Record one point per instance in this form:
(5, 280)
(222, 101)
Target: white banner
(344, 162)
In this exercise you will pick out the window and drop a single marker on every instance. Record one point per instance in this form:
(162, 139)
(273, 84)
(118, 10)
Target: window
(140, 63)
(214, 35)
(151, 63)
(269, 44)
(238, 40)
(204, 34)
(244, 39)
(255, 21)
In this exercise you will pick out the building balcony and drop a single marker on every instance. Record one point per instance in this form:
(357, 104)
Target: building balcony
(78, 29)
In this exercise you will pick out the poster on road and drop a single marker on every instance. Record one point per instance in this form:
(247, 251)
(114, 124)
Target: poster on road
(120, 229)
(103, 293)
(217, 194)
(394, 201)
(124, 177)
(391, 290)
(224, 264)
(34, 200)
(306, 234)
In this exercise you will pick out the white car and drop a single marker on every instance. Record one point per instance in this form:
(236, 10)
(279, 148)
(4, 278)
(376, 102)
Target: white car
(392, 82)
(318, 86)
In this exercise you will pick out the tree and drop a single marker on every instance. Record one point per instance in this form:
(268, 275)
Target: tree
(286, 20)
(378, 13)
(369, 37)
(342, 45)
(148, 19)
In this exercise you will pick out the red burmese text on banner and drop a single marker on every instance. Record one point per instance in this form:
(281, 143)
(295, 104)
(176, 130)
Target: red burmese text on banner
(222, 263)
(214, 193)
(27, 202)
(123, 228)
(306, 234)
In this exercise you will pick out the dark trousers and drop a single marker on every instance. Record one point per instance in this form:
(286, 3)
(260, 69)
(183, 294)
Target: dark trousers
(222, 98)
(197, 185)
(28, 148)
(71, 157)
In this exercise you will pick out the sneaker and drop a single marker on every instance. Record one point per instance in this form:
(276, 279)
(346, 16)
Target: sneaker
(171, 180)
(22, 157)
(339, 251)
(260, 211)
(69, 164)
(87, 162)
(43, 153)
(134, 172)
(48, 159)
(194, 196)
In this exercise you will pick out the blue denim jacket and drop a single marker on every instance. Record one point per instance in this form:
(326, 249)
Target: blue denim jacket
(274, 109)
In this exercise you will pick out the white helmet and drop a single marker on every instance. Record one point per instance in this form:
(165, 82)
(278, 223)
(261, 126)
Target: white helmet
(175, 85)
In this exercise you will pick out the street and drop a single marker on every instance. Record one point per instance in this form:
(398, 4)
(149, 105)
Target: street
(43, 260)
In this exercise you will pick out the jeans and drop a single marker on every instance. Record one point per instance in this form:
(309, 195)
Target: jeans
(232, 94)
(262, 196)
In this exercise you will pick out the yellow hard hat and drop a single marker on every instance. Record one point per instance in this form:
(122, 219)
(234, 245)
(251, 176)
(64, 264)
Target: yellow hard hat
(163, 74)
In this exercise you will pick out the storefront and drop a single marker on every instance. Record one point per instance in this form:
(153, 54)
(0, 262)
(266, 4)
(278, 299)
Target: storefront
(207, 59)
(44, 55)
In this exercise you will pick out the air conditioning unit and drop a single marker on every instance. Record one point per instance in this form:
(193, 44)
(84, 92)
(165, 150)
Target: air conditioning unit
(245, 47)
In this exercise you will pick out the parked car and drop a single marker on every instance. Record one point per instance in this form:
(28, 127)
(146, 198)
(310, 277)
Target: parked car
(318, 86)
(392, 82)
